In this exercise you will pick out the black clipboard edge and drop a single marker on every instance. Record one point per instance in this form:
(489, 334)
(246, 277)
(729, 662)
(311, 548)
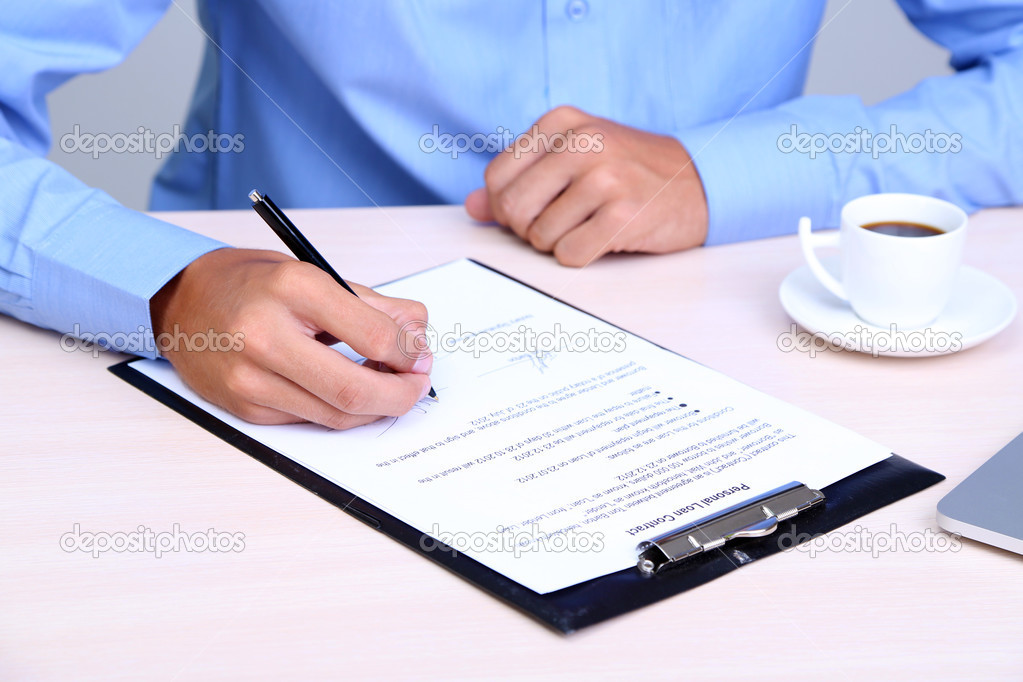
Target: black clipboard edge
(596, 600)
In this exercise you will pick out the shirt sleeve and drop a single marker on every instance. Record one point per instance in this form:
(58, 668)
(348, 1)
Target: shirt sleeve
(955, 137)
(71, 258)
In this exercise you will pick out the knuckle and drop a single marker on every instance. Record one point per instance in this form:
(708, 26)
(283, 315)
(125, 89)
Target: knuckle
(258, 337)
(243, 381)
(338, 421)
(603, 179)
(255, 414)
(289, 279)
(550, 116)
(505, 209)
(350, 397)
(559, 114)
(417, 311)
(621, 213)
(592, 128)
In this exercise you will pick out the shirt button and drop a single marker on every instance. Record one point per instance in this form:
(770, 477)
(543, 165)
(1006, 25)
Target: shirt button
(577, 9)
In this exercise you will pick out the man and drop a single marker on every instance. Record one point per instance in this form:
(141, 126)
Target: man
(685, 128)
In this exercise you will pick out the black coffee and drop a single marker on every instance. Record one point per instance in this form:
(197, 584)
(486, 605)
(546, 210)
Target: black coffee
(903, 229)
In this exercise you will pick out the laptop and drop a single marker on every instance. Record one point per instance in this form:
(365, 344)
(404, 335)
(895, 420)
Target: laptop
(988, 505)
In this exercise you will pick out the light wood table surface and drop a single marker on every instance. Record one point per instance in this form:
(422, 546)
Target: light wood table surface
(317, 595)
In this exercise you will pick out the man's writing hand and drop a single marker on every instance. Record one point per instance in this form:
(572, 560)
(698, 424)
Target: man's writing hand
(276, 371)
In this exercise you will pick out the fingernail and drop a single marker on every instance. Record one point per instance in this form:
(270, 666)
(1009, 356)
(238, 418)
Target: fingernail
(424, 364)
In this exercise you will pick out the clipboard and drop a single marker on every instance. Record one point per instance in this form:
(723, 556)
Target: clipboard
(730, 539)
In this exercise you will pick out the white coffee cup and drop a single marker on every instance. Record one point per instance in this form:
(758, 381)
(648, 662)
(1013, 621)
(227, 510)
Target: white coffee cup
(889, 279)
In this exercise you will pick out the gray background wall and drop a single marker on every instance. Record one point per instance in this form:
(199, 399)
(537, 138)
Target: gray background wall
(867, 48)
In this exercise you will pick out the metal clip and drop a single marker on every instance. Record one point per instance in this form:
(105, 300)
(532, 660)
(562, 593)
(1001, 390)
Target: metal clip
(753, 518)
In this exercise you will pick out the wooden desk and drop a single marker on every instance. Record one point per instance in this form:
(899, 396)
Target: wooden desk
(315, 594)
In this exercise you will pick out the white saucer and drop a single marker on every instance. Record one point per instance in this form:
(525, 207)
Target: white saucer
(980, 307)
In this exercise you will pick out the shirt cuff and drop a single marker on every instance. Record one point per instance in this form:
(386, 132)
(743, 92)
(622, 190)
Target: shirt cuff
(757, 183)
(96, 272)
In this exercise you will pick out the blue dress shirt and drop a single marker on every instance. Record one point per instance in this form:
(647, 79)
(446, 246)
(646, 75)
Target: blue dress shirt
(342, 103)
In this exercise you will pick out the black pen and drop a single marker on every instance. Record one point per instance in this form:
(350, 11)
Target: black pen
(296, 241)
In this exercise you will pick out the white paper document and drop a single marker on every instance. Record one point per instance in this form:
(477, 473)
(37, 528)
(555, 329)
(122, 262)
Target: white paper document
(559, 442)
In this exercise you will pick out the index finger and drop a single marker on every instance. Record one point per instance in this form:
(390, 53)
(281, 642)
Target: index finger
(401, 310)
(324, 306)
(529, 148)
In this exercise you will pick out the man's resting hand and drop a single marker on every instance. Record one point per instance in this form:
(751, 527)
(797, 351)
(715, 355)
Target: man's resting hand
(607, 188)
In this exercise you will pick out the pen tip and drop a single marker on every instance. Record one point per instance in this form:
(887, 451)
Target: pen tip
(254, 196)
(433, 394)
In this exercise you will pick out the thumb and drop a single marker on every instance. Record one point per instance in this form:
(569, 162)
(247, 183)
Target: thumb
(477, 205)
